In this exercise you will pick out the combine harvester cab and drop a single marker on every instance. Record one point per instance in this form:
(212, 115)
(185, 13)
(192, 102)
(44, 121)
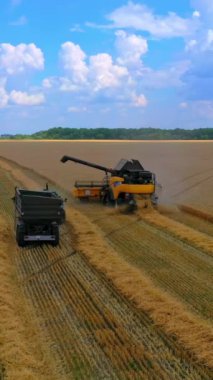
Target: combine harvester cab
(38, 215)
(119, 185)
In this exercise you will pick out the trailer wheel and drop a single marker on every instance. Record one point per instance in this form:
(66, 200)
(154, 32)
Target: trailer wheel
(20, 235)
(55, 232)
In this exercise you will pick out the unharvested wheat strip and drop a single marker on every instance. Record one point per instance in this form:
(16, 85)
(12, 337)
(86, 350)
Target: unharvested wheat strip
(188, 234)
(164, 310)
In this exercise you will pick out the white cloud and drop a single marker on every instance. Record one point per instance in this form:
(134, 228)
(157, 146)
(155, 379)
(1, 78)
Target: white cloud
(117, 80)
(16, 59)
(202, 43)
(140, 17)
(76, 28)
(191, 44)
(67, 85)
(196, 14)
(100, 72)
(103, 73)
(208, 44)
(73, 60)
(130, 48)
(203, 6)
(168, 77)
(139, 100)
(47, 83)
(3, 93)
(23, 98)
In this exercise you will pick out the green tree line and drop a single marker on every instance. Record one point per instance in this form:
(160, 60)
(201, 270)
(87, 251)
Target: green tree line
(117, 134)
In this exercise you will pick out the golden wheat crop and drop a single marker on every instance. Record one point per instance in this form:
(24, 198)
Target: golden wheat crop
(84, 320)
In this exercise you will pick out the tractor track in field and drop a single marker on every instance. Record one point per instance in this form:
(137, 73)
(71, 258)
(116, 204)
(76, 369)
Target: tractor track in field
(191, 181)
(91, 330)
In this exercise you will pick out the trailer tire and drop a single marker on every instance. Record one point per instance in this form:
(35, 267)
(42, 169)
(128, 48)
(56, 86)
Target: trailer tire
(55, 232)
(20, 235)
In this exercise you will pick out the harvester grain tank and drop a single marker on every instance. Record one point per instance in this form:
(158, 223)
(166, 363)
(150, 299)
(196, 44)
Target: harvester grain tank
(120, 184)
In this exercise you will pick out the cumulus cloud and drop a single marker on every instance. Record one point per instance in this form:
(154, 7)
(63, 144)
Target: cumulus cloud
(198, 78)
(102, 77)
(139, 100)
(73, 60)
(67, 85)
(196, 14)
(93, 74)
(208, 44)
(16, 59)
(4, 97)
(25, 99)
(140, 17)
(103, 73)
(47, 82)
(130, 48)
(204, 7)
(202, 42)
(191, 45)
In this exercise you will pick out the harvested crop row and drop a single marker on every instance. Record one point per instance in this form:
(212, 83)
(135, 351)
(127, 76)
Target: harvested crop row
(173, 265)
(62, 300)
(20, 347)
(190, 219)
(195, 238)
(163, 309)
(101, 249)
(112, 349)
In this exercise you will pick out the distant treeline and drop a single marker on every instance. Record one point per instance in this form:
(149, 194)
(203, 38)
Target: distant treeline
(59, 133)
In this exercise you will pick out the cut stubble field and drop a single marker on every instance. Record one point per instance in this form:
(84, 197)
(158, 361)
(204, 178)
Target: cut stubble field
(122, 296)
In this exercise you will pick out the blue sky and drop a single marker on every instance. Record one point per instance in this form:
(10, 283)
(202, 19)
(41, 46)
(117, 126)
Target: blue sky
(105, 64)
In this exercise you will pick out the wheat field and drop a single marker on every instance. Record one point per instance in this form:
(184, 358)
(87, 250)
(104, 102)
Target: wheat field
(123, 296)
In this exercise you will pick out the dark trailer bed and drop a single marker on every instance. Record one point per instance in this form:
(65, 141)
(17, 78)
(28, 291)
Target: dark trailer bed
(38, 216)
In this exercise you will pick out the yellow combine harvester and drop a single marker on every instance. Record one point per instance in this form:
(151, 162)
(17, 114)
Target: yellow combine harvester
(119, 185)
